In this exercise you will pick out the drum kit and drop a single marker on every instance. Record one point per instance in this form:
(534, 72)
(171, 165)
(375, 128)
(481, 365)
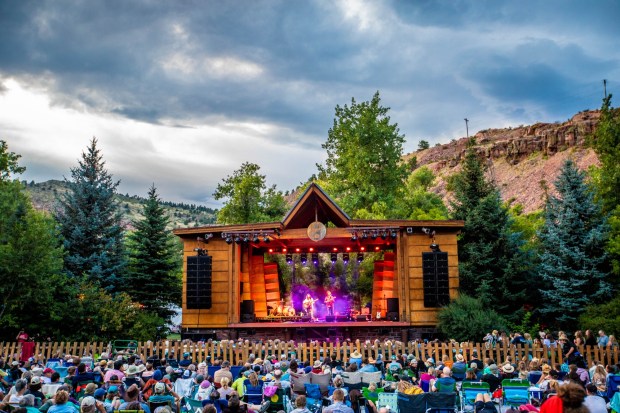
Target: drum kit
(283, 310)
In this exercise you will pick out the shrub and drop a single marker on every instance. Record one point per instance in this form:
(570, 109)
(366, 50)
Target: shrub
(467, 319)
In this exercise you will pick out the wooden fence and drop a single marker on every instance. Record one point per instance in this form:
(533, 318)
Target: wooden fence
(238, 352)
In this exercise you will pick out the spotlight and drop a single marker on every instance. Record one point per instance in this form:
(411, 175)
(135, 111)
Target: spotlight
(246, 238)
(255, 240)
(228, 239)
(304, 258)
(383, 234)
(266, 239)
(345, 257)
(289, 258)
(435, 247)
(373, 235)
(354, 237)
(237, 239)
(393, 234)
(364, 235)
(334, 257)
(315, 258)
(360, 257)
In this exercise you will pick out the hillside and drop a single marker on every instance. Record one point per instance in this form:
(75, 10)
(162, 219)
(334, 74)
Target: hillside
(44, 195)
(523, 161)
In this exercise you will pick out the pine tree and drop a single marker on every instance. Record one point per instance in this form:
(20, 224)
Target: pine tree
(493, 266)
(574, 267)
(154, 260)
(90, 222)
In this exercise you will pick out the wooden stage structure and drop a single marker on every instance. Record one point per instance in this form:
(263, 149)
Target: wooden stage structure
(230, 291)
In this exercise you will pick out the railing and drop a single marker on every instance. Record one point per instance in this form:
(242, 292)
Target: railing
(237, 352)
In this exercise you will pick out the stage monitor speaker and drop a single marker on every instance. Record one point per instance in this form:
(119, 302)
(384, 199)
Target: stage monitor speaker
(392, 305)
(198, 278)
(247, 311)
(330, 318)
(361, 317)
(342, 318)
(392, 316)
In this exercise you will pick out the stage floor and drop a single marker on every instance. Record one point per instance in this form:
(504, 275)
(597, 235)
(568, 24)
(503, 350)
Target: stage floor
(320, 324)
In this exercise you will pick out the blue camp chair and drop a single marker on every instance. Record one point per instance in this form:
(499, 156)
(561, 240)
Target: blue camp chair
(515, 392)
(469, 391)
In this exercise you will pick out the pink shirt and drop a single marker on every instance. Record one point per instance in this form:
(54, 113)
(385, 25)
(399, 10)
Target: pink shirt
(111, 373)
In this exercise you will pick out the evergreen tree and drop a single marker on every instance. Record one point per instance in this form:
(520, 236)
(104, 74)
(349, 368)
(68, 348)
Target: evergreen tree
(154, 260)
(573, 267)
(493, 266)
(364, 170)
(90, 222)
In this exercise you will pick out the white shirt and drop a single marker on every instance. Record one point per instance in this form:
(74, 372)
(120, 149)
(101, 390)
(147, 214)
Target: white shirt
(595, 404)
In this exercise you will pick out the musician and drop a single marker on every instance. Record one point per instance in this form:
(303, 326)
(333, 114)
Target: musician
(309, 305)
(329, 303)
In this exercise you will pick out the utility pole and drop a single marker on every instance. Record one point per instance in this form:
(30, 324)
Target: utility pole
(605, 87)
(467, 127)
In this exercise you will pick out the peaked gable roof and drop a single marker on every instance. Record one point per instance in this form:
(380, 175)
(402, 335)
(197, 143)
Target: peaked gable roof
(315, 204)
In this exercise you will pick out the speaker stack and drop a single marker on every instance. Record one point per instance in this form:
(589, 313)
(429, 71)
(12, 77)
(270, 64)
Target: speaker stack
(247, 311)
(392, 309)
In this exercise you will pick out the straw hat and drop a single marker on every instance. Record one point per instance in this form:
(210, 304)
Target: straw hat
(459, 357)
(508, 368)
(356, 354)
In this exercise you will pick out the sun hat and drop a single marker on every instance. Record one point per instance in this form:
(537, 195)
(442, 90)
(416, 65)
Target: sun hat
(459, 357)
(430, 360)
(508, 368)
(356, 354)
(35, 380)
(37, 371)
(132, 370)
(160, 388)
(317, 364)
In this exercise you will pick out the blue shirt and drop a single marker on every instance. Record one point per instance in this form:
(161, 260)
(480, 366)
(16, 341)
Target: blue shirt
(602, 341)
(338, 407)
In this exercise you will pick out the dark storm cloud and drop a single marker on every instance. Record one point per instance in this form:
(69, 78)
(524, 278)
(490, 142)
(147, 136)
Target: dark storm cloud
(188, 63)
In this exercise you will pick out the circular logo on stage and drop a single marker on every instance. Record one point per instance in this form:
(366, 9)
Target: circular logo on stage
(316, 231)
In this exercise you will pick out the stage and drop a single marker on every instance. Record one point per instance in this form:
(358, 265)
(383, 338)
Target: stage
(321, 324)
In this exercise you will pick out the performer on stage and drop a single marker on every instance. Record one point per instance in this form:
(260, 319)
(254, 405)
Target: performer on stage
(309, 306)
(329, 303)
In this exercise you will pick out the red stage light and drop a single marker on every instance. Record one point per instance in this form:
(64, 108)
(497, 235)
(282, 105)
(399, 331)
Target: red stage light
(335, 249)
(348, 249)
(297, 250)
(377, 248)
(311, 249)
(362, 248)
(283, 249)
(271, 250)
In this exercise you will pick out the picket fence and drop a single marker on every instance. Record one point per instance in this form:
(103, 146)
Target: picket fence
(238, 352)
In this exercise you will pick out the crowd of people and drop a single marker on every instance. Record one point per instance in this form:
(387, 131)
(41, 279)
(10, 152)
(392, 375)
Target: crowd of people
(125, 381)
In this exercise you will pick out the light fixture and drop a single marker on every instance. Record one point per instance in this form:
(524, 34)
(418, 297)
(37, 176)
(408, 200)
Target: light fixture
(354, 237)
(360, 257)
(393, 234)
(266, 239)
(334, 257)
(345, 257)
(364, 235)
(373, 235)
(315, 258)
(435, 247)
(255, 240)
(228, 239)
(303, 258)
(246, 238)
(237, 239)
(289, 258)
(383, 234)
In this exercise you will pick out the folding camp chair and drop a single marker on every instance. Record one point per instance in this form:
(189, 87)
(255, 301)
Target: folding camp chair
(193, 406)
(613, 381)
(314, 398)
(534, 377)
(515, 392)
(388, 399)
(353, 380)
(469, 391)
(371, 377)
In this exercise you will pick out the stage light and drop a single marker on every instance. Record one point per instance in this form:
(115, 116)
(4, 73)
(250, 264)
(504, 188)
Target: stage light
(284, 250)
(255, 240)
(289, 258)
(228, 239)
(297, 250)
(315, 258)
(304, 259)
(266, 239)
(348, 249)
(435, 247)
(345, 258)
(360, 257)
(311, 249)
(335, 249)
(393, 234)
(362, 248)
(246, 238)
(334, 257)
(271, 250)
(354, 237)
(364, 235)
(237, 239)
(377, 248)
(373, 235)
(383, 234)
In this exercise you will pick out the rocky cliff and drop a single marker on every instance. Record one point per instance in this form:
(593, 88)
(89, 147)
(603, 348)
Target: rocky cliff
(524, 161)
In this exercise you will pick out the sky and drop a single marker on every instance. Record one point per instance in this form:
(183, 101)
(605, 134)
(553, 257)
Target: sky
(181, 93)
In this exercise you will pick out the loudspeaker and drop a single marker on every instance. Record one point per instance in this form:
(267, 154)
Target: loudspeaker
(392, 316)
(392, 305)
(198, 278)
(435, 279)
(342, 318)
(361, 317)
(330, 318)
(247, 311)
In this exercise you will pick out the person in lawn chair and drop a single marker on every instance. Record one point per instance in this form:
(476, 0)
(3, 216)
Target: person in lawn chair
(445, 383)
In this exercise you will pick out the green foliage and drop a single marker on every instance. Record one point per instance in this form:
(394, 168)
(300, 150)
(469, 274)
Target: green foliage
(422, 145)
(417, 202)
(527, 225)
(90, 223)
(363, 166)
(607, 178)
(412, 163)
(574, 266)
(468, 319)
(9, 163)
(493, 265)
(526, 325)
(604, 316)
(247, 197)
(154, 261)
